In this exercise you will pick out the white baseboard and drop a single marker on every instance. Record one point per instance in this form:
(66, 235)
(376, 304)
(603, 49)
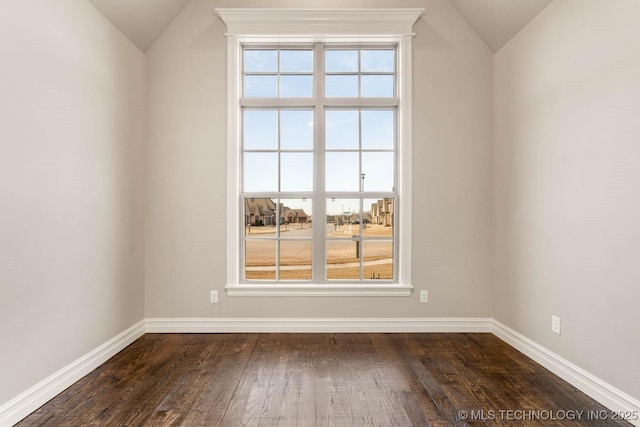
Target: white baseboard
(25, 403)
(327, 325)
(606, 394)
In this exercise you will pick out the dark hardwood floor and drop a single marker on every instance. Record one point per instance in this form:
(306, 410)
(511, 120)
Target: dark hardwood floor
(319, 380)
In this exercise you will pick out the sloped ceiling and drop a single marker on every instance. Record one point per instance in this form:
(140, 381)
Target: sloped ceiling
(142, 21)
(495, 21)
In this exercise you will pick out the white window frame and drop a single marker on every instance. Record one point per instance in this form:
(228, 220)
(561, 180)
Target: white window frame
(355, 26)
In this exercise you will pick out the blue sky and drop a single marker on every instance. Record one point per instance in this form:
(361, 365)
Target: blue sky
(266, 64)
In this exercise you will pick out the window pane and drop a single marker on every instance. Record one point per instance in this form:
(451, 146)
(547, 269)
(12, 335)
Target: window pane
(341, 129)
(260, 86)
(295, 255)
(259, 217)
(378, 217)
(378, 60)
(295, 260)
(295, 218)
(260, 60)
(343, 259)
(296, 172)
(343, 216)
(296, 86)
(378, 260)
(377, 86)
(378, 129)
(296, 130)
(378, 171)
(341, 60)
(260, 260)
(342, 172)
(260, 172)
(341, 86)
(296, 60)
(260, 129)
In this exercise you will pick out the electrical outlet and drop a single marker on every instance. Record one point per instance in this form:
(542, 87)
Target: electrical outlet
(424, 296)
(555, 324)
(213, 297)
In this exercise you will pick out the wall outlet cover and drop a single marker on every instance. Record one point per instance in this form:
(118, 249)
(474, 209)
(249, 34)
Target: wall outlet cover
(555, 324)
(424, 296)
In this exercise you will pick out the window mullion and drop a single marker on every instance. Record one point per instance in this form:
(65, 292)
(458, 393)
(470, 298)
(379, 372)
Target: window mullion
(362, 102)
(360, 75)
(270, 103)
(279, 174)
(361, 186)
(319, 202)
(278, 74)
(361, 240)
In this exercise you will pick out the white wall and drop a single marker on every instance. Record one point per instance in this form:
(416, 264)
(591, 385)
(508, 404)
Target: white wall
(567, 185)
(71, 196)
(186, 212)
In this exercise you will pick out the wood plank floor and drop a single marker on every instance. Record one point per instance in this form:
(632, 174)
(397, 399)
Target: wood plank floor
(319, 380)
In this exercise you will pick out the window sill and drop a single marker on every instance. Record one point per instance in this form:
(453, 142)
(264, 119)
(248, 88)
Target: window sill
(339, 289)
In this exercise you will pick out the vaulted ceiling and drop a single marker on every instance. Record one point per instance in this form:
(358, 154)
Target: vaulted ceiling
(495, 21)
(142, 21)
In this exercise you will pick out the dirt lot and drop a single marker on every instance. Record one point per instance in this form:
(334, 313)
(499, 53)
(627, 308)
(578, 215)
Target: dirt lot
(384, 271)
(295, 255)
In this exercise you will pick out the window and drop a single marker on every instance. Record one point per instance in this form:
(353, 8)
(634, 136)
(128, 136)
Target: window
(319, 155)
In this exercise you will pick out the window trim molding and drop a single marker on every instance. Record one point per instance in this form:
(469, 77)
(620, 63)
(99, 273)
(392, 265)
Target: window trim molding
(319, 25)
(319, 22)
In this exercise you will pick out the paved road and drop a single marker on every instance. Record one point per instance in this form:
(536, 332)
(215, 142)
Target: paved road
(296, 254)
(294, 230)
(329, 266)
